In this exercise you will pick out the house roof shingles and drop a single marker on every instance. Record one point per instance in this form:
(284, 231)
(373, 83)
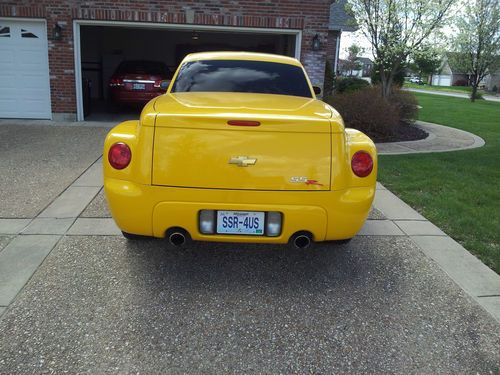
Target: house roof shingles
(341, 18)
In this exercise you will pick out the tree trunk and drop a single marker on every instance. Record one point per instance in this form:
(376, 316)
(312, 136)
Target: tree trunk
(386, 80)
(475, 83)
(474, 92)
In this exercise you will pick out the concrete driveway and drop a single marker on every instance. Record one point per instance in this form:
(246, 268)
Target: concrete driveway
(78, 298)
(37, 163)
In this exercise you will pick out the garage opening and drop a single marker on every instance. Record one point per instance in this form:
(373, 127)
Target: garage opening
(140, 57)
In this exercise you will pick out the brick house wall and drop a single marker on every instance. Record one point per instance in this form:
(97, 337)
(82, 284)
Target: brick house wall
(288, 14)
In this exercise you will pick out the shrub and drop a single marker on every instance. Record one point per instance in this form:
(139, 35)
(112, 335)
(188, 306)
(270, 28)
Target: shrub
(478, 96)
(345, 85)
(406, 104)
(460, 82)
(495, 89)
(329, 79)
(367, 111)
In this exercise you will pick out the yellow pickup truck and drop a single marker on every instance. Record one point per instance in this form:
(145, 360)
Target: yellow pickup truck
(239, 149)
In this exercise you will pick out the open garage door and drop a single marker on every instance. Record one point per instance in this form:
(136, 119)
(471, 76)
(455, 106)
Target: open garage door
(136, 57)
(24, 70)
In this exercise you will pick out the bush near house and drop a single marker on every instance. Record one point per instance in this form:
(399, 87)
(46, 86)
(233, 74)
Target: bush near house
(351, 84)
(366, 110)
(406, 103)
(460, 82)
(329, 80)
(478, 95)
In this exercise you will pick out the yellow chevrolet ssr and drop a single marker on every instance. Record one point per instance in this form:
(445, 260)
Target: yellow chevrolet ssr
(239, 150)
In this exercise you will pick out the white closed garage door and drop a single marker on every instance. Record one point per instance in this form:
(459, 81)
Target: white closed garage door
(24, 70)
(441, 80)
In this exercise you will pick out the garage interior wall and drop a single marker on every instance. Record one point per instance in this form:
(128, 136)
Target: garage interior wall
(104, 47)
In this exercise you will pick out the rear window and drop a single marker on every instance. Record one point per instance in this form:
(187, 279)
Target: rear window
(143, 67)
(259, 77)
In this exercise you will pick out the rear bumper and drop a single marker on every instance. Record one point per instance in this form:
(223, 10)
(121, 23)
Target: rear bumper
(133, 97)
(151, 210)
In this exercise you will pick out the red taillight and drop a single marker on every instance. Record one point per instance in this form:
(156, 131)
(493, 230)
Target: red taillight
(116, 82)
(243, 123)
(119, 155)
(362, 164)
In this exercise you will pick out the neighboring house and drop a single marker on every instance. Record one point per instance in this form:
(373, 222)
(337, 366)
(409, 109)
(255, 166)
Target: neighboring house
(451, 73)
(366, 67)
(48, 48)
(492, 80)
(348, 69)
(341, 20)
(363, 68)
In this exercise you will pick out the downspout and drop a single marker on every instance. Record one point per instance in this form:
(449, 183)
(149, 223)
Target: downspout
(337, 49)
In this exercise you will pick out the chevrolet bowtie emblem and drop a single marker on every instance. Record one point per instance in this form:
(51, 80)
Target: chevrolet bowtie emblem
(242, 161)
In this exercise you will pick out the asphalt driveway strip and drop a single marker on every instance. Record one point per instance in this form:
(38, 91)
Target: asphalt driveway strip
(101, 304)
(98, 207)
(38, 163)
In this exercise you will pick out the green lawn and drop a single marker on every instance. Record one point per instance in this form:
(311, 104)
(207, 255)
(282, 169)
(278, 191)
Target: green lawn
(458, 191)
(457, 89)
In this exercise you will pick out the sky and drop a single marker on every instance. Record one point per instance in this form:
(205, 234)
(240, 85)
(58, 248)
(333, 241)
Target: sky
(350, 38)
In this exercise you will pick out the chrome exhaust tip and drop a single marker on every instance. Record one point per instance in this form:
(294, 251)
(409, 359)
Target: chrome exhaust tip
(177, 237)
(301, 240)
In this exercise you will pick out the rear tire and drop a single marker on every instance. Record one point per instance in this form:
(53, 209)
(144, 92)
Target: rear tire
(134, 237)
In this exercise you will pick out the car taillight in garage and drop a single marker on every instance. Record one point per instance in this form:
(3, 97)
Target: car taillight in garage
(362, 163)
(119, 155)
(116, 82)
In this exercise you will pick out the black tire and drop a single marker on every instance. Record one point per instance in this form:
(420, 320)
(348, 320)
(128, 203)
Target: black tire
(134, 237)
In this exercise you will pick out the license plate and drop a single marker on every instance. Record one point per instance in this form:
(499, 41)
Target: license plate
(240, 222)
(138, 86)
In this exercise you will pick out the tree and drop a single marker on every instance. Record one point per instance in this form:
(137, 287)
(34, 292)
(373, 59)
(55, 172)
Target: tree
(329, 80)
(352, 62)
(478, 40)
(399, 75)
(396, 29)
(427, 61)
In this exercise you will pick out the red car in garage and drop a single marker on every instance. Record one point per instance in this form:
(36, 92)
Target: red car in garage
(136, 82)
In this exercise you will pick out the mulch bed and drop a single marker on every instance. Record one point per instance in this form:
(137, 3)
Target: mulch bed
(404, 132)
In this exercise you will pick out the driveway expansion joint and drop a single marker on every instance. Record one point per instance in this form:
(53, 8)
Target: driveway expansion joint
(22, 256)
(489, 296)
